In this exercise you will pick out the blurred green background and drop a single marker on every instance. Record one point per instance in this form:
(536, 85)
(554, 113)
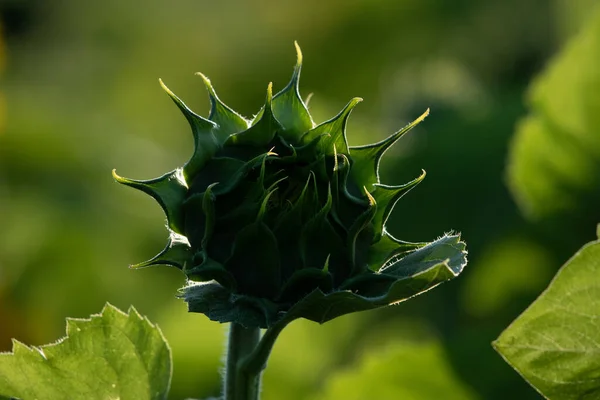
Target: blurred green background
(79, 81)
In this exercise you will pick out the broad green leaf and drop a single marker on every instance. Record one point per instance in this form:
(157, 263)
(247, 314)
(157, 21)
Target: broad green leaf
(555, 156)
(112, 355)
(407, 371)
(555, 343)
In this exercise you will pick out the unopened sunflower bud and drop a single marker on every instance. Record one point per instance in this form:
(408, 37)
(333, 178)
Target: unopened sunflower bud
(280, 218)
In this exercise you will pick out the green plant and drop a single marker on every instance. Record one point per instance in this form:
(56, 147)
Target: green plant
(555, 155)
(554, 343)
(276, 219)
(273, 220)
(58, 224)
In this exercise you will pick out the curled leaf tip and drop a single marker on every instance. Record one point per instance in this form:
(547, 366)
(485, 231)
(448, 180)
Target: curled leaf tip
(372, 201)
(165, 88)
(422, 117)
(208, 84)
(298, 54)
(204, 77)
(116, 177)
(310, 95)
(349, 107)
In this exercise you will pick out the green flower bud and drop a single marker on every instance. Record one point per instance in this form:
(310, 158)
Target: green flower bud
(280, 218)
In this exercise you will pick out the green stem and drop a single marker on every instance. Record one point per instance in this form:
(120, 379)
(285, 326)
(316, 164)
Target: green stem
(240, 383)
(247, 355)
(257, 361)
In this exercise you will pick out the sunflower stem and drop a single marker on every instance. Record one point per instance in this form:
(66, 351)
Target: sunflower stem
(256, 362)
(240, 382)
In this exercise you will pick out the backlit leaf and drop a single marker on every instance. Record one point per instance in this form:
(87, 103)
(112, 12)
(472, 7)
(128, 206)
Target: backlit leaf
(555, 343)
(112, 355)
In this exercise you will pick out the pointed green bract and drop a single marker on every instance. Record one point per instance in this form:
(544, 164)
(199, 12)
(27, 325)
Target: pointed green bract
(318, 240)
(228, 121)
(112, 355)
(386, 198)
(255, 261)
(208, 208)
(205, 142)
(365, 167)
(285, 220)
(289, 108)
(334, 130)
(388, 247)
(359, 226)
(175, 254)
(263, 131)
(305, 281)
(209, 270)
(169, 191)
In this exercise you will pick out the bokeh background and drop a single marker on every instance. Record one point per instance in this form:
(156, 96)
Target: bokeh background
(79, 96)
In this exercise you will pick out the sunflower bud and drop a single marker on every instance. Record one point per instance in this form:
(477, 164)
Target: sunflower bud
(279, 218)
